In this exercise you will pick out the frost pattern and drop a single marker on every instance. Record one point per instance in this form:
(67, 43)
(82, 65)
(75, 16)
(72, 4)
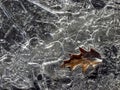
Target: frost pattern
(37, 35)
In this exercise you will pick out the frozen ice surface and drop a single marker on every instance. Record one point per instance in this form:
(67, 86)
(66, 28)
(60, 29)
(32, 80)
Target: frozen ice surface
(37, 35)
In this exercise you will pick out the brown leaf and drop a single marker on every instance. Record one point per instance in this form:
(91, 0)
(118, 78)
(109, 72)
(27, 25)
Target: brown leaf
(83, 60)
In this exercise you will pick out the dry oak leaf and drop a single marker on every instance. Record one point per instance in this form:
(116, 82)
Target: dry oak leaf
(84, 60)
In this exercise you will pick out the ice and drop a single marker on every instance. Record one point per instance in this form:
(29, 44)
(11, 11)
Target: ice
(36, 36)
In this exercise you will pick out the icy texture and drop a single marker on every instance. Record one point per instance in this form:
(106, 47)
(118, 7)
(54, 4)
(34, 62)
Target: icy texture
(37, 35)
